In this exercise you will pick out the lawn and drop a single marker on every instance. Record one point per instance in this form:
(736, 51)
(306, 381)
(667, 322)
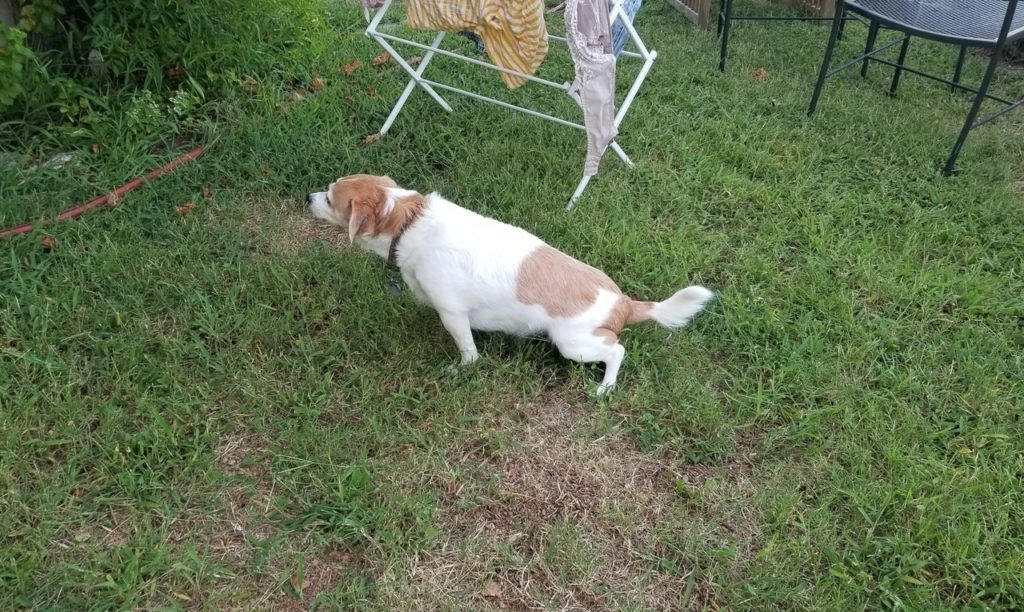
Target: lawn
(227, 408)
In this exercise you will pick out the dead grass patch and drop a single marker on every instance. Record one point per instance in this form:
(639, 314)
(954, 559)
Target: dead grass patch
(220, 534)
(565, 518)
(288, 228)
(227, 534)
(292, 583)
(319, 574)
(114, 532)
(239, 454)
(245, 507)
(303, 229)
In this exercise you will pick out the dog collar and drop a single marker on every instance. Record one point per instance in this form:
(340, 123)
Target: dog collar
(393, 249)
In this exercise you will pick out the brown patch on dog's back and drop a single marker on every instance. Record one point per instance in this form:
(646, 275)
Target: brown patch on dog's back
(564, 286)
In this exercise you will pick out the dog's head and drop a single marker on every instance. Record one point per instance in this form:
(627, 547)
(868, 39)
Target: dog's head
(369, 206)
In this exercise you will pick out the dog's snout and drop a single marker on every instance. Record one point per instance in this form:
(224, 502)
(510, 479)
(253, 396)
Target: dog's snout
(309, 199)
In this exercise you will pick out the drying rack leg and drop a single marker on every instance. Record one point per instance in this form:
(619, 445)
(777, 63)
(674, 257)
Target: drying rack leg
(412, 84)
(579, 191)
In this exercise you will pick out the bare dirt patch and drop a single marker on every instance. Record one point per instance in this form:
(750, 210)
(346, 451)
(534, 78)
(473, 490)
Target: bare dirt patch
(239, 454)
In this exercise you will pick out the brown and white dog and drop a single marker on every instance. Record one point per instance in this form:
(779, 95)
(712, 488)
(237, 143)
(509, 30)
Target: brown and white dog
(482, 274)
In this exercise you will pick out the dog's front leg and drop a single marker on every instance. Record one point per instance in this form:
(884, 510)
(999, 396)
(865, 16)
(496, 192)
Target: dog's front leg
(457, 325)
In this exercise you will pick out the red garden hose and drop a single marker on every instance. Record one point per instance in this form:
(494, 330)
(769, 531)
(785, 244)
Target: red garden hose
(111, 198)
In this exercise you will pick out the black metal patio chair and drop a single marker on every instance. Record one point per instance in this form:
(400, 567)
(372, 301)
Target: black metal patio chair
(968, 23)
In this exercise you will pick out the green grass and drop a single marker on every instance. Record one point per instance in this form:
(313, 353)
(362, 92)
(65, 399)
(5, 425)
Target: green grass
(225, 409)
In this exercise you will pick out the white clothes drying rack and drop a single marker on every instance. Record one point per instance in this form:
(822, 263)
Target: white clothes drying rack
(416, 77)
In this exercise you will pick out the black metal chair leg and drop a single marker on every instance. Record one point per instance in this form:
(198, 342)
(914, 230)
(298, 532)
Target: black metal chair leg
(973, 114)
(959, 67)
(899, 69)
(869, 47)
(837, 21)
(721, 18)
(842, 29)
(726, 26)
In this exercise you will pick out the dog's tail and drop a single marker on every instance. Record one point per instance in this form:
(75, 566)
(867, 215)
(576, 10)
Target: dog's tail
(676, 311)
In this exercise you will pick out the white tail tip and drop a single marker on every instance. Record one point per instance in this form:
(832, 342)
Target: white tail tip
(676, 311)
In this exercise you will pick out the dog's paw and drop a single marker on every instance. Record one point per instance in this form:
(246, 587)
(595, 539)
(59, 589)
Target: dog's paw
(454, 369)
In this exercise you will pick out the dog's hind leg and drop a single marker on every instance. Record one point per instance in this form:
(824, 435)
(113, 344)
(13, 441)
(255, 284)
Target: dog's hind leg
(599, 345)
(457, 325)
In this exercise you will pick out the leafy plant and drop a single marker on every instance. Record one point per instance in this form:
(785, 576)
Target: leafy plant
(63, 56)
(13, 57)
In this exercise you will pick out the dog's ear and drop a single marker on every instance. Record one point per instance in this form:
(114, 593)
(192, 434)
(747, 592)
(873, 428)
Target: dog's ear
(366, 200)
(361, 219)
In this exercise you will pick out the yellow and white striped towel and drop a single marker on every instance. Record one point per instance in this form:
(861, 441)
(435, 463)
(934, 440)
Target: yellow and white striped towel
(513, 31)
